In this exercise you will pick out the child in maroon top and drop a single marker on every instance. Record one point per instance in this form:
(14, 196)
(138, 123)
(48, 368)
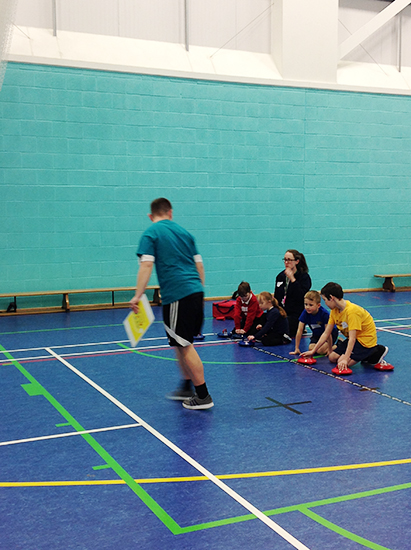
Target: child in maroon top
(247, 311)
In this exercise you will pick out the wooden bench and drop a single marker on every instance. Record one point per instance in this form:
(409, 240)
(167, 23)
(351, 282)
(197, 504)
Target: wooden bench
(66, 293)
(388, 284)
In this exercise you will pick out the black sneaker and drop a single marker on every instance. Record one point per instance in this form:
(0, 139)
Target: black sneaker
(195, 403)
(377, 356)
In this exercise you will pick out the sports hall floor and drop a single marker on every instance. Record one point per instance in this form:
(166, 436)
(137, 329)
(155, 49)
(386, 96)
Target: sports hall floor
(92, 456)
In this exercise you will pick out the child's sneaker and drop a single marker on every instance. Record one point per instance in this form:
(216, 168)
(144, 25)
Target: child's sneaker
(223, 334)
(377, 356)
(195, 403)
(236, 336)
(199, 337)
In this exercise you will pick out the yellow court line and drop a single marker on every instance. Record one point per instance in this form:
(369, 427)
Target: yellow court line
(203, 478)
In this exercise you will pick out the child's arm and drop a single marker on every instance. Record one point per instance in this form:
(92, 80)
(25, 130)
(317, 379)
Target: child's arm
(323, 338)
(345, 360)
(237, 315)
(330, 344)
(253, 310)
(298, 337)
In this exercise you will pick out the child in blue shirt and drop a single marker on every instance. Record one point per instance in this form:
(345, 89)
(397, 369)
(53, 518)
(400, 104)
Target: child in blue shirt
(316, 317)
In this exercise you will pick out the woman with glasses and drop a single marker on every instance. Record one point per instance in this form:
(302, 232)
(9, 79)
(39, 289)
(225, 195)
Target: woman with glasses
(291, 285)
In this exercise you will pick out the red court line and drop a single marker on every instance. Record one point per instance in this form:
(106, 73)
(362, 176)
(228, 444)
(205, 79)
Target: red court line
(119, 352)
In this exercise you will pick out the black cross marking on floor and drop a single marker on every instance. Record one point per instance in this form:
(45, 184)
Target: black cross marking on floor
(369, 389)
(285, 405)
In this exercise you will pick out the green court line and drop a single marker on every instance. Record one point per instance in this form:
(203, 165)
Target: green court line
(204, 362)
(102, 467)
(37, 389)
(343, 532)
(62, 424)
(105, 456)
(305, 509)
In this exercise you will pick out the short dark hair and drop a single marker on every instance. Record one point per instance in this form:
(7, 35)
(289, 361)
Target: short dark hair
(243, 288)
(160, 206)
(332, 289)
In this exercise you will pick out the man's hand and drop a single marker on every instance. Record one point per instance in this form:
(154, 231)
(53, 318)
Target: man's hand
(133, 303)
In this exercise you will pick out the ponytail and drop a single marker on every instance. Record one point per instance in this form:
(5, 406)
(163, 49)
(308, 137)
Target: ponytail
(268, 297)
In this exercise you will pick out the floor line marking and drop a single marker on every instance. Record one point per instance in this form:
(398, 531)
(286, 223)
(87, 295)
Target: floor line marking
(67, 434)
(238, 498)
(185, 479)
(394, 332)
(331, 375)
(165, 346)
(97, 344)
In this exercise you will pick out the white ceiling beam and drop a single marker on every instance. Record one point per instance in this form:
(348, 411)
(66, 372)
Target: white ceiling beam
(369, 28)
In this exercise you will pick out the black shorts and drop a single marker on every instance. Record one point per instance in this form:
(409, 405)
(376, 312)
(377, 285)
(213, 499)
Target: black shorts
(183, 319)
(359, 352)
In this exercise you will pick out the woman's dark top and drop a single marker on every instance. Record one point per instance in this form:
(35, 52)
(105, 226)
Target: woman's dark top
(291, 297)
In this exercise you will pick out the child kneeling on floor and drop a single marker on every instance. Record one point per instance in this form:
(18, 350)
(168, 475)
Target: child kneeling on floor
(316, 317)
(273, 330)
(247, 312)
(357, 325)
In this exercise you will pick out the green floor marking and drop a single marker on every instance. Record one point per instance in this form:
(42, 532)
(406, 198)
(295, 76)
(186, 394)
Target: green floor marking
(102, 467)
(343, 532)
(204, 362)
(165, 518)
(104, 455)
(33, 389)
(63, 424)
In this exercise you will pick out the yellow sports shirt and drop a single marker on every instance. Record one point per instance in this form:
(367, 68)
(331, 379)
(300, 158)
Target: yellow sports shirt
(355, 317)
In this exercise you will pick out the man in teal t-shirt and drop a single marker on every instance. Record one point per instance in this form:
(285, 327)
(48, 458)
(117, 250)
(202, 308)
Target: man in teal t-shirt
(180, 273)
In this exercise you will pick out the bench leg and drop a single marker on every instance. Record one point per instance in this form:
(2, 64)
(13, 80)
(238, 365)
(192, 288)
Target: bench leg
(157, 297)
(66, 304)
(388, 285)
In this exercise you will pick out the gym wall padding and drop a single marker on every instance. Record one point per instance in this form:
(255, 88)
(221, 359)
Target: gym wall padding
(251, 170)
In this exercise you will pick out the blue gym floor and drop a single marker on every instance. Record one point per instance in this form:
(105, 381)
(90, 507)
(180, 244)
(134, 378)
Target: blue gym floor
(94, 457)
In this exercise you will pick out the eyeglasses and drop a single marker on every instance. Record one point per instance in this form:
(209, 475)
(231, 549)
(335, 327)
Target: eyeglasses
(289, 260)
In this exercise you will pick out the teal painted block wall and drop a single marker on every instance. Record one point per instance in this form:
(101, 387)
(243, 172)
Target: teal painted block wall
(251, 171)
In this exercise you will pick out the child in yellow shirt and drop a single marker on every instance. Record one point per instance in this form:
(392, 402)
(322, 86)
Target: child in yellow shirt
(357, 325)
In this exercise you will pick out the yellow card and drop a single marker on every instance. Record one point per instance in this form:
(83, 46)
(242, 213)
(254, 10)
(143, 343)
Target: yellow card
(136, 324)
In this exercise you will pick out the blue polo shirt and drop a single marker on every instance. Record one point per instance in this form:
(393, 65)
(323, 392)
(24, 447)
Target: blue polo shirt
(317, 322)
(173, 250)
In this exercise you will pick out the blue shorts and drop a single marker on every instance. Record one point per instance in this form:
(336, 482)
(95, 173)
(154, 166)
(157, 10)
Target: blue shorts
(359, 352)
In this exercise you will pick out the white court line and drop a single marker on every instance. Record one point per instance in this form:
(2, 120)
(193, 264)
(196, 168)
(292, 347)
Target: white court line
(398, 319)
(394, 332)
(67, 434)
(99, 344)
(101, 352)
(247, 505)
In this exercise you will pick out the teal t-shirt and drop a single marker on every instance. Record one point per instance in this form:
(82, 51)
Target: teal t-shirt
(172, 249)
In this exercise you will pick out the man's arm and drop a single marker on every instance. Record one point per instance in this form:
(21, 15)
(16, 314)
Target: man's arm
(201, 271)
(143, 276)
